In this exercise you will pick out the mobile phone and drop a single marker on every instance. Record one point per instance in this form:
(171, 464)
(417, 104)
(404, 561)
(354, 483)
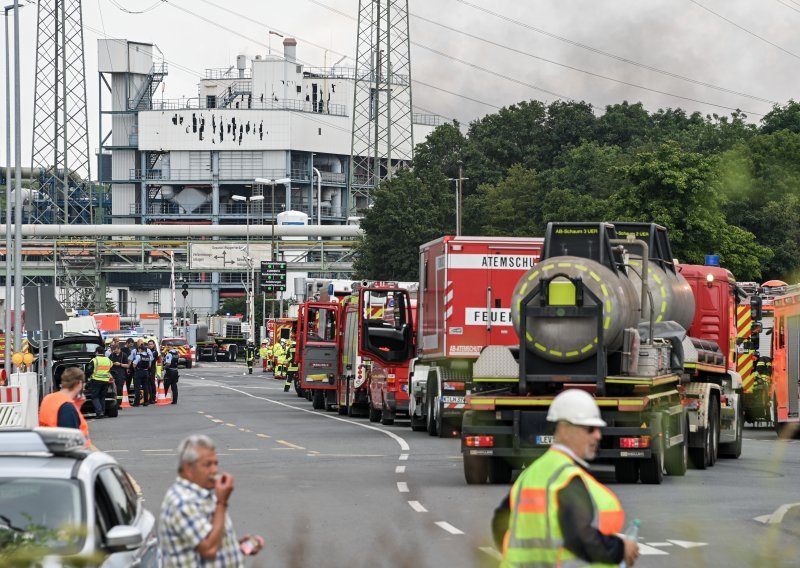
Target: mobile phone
(249, 545)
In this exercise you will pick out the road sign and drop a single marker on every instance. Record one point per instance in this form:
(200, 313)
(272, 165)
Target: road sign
(273, 276)
(225, 256)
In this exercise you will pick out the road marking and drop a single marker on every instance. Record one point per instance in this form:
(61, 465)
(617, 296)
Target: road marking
(263, 436)
(448, 527)
(659, 544)
(319, 455)
(777, 515)
(646, 550)
(231, 425)
(115, 451)
(244, 430)
(315, 453)
(289, 445)
(399, 439)
(166, 450)
(417, 506)
(402, 487)
(400, 469)
(217, 420)
(242, 449)
(687, 544)
(491, 552)
(403, 457)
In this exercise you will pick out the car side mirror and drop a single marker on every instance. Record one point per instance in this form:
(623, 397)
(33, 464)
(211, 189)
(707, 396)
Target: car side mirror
(123, 537)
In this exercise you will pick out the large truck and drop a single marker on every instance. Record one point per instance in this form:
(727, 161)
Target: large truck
(594, 315)
(785, 380)
(464, 304)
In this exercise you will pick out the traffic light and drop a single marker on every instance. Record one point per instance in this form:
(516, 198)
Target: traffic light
(185, 291)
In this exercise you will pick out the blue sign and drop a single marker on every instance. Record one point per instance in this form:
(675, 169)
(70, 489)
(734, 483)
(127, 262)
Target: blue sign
(712, 260)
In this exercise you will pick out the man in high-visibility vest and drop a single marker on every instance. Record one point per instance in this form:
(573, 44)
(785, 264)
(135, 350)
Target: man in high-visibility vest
(557, 513)
(100, 369)
(263, 352)
(278, 352)
(62, 408)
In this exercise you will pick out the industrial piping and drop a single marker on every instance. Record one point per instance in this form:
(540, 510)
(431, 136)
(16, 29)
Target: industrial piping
(190, 231)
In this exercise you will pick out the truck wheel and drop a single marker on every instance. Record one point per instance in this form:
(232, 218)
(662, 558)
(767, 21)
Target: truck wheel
(113, 410)
(499, 471)
(733, 449)
(476, 469)
(342, 409)
(318, 400)
(714, 422)
(431, 408)
(418, 424)
(626, 471)
(677, 457)
(387, 418)
(374, 413)
(233, 353)
(651, 470)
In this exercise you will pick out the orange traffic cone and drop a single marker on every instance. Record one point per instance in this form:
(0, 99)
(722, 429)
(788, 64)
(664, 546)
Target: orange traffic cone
(162, 396)
(126, 403)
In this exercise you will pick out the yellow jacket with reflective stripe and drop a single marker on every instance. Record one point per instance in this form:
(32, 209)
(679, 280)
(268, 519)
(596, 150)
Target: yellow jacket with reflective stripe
(263, 352)
(102, 369)
(534, 537)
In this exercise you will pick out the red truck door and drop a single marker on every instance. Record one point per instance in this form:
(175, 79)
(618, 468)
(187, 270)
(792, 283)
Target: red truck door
(318, 345)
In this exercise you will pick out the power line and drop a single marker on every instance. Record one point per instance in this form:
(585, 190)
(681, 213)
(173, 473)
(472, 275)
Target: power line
(136, 12)
(590, 73)
(606, 53)
(789, 5)
(745, 30)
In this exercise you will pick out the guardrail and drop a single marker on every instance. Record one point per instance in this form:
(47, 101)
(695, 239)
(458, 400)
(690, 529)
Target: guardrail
(254, 103)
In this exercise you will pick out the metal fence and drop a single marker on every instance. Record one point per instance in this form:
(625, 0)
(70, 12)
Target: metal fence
(252, 104)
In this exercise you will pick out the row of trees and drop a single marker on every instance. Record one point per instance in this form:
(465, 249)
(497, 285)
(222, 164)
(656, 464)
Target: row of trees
(720, 184)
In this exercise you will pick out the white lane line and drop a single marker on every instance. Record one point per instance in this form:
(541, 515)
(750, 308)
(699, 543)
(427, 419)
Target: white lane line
(263, 436)
(491, 552)
(776, 516)
(217, 420)
(404, 457)
(402, 487)
(686, 543)
(645, 550)
(231, 425)
(290, 445)
(417, 506)
(400, 469)
(400, 441)
(659, 544)
(244, 430)
(114, 451)
(448, 527)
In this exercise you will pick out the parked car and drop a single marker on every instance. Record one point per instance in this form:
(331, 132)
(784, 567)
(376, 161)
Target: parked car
(183, 347)
(74, 350)
(61, 501)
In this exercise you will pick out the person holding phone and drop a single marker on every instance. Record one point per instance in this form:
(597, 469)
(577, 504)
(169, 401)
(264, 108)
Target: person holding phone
(194, 527)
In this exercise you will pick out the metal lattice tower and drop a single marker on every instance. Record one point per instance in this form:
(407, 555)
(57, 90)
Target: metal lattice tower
(382, 120)
(60, 131)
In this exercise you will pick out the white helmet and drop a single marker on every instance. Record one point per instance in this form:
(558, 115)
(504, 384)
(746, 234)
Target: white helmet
(576, 407)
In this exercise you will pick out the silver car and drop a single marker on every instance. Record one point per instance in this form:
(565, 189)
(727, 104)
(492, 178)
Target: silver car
(58, 500)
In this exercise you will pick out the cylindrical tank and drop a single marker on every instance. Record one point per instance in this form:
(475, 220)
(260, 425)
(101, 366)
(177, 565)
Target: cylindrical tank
(202, 332)
(672, 295)
(564, 339)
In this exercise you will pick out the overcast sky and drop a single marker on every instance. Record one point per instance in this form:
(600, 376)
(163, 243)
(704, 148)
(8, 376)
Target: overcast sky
(679, 37)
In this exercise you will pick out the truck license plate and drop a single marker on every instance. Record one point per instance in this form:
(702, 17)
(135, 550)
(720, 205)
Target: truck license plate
(454, 399)
(544, 440)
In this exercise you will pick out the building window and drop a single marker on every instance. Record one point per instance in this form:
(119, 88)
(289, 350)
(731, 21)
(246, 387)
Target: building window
(122, 302)
(211, 101)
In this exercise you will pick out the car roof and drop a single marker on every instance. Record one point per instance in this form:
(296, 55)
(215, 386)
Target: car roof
(36, 466)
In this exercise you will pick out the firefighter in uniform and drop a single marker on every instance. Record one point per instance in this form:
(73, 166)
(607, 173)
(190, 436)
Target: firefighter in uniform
(250, 356)
(171, 374)
(278, 352)
(291, 362)
(557, 513)
(263, 352)
(100, 376)
(141, 379)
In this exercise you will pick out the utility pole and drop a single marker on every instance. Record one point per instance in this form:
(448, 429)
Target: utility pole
(459, 180)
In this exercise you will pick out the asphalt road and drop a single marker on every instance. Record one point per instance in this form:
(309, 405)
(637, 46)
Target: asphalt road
(333, 491)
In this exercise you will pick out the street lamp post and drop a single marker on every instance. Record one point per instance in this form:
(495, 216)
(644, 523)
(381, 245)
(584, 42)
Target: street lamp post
(250, 265)
(7, 323)
(272, 183)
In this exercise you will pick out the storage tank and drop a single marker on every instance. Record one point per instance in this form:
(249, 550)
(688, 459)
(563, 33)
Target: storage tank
(293, 218)
(672, 295)
(563, 339)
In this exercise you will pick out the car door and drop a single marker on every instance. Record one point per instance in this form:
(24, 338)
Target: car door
(115, 506)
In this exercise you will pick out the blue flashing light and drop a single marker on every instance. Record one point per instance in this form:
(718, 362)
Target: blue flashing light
(712, 260)
(83, 312)
(330, 289)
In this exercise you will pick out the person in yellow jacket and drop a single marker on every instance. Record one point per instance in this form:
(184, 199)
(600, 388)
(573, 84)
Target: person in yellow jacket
(279, 352)
(557, 513)
(264, 353)
(291, 365)
(99, 379)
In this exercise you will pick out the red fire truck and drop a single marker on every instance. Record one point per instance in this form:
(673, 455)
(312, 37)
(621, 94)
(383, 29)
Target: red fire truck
(317, 351)
(465, 290)
(785, 387)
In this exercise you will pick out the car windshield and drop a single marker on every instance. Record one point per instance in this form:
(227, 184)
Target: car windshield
(173, 342)
(41, 512)
(75, 348)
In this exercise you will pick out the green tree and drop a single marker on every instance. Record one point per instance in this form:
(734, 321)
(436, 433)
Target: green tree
(407, 211)
(785, 117)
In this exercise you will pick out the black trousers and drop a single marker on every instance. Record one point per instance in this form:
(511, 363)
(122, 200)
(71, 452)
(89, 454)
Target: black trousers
(97, 392)
(121, 379)
(171, 382)
(141, 380)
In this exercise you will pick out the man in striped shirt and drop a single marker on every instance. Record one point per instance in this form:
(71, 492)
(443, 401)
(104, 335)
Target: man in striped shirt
(195, 528)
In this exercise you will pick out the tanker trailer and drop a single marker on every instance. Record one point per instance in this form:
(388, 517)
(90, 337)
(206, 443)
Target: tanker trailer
(579, 312)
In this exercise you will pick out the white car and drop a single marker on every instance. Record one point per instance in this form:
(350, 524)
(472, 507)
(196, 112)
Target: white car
(59, 500)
